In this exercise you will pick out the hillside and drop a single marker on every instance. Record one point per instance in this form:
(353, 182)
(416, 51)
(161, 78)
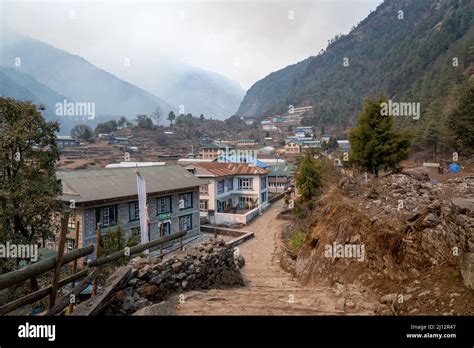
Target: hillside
(198, 90)
(176, 83)
(21, 86)
(409, 59)
(76, 78)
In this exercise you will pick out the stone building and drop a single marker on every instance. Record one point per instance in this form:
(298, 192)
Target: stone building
(109, 197)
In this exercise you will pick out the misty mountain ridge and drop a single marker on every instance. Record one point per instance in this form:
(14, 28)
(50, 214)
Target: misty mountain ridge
(58, 75)
(196, 90)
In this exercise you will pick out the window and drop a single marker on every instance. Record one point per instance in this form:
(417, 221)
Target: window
(185, 222)
(245, 184)
(263, 196)
(263, 182)
(220, 186)
(163, 205)
(203, 204)
(70, 244)
(134, 211)
(220, 206)
(72, 222)
(245, 202)
(204, 189)
(166, 229)
(107, 216)
(187, 199)
(229, 183)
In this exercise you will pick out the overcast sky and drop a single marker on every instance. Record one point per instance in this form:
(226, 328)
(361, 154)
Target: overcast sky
(243, 40)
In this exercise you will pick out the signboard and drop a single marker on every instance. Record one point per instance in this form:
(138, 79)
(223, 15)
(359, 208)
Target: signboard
(164, 216)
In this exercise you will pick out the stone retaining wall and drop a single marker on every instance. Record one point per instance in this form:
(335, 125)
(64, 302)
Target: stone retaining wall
(210, 264)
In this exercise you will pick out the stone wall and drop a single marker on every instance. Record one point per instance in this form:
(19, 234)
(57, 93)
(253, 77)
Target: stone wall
(211, 264)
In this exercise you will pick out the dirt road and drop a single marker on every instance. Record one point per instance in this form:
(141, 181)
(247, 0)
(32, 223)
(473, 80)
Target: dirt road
(269, 289)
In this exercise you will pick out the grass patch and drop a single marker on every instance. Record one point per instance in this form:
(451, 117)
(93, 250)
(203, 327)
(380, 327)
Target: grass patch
(297, 240)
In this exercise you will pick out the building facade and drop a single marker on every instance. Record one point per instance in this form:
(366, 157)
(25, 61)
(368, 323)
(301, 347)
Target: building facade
(109, 197)
(212, 151)
(231, 187)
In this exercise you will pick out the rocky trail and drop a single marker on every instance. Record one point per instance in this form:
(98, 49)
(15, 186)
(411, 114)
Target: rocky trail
(269, 290)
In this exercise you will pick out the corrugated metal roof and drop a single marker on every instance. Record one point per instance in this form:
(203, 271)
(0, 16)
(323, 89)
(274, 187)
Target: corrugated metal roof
(103, 184)
(217, 169)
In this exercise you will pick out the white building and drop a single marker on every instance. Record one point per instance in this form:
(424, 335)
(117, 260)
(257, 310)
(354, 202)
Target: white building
(235, 194)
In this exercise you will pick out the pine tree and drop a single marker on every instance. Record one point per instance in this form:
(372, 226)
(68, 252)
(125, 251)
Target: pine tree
(375, 144)
(461, 122)
(308, 178)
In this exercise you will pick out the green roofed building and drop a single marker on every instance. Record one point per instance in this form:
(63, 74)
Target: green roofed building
(280, 177)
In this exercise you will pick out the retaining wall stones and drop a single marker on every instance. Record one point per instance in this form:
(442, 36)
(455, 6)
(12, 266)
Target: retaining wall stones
(211, 264)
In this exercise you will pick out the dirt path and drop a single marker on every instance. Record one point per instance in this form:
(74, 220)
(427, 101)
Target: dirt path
(269, 289)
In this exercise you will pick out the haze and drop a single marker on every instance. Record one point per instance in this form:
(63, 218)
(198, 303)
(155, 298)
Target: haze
(244, 41)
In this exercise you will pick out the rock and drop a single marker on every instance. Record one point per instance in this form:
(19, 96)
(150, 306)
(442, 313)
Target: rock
(350, 304)
(120, 295)
(148, 290)
(424, 293)
(466, 264)
(414, 311)
(176, 266)
(143, 272)
(142, 303)
(340, 304)
(463, 204)
(128, 304)
(162, 308)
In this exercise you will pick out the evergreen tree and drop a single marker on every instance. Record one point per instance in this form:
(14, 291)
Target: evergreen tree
(171, 117)
(461, 122)
(375, 144)
(308, 178)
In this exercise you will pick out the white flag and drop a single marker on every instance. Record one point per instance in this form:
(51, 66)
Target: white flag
(141, 187)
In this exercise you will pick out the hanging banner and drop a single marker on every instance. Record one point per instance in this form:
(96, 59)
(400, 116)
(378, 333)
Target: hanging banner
(144, 225)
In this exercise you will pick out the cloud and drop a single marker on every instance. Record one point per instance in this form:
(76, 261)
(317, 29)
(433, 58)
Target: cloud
(242, 40)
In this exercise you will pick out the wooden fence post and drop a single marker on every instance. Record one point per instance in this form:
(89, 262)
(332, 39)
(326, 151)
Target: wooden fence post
(59, 259)
(161, 236)
(74, 264)
(97, 255)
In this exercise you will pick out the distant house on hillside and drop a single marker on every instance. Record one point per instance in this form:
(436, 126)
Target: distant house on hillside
(269, 126)
(213, 150)
(66, 141)
(118, 140)
(303, 132)
(343, 145)
(247, 142)
(109, 197)
(325, 137)
(292, 148)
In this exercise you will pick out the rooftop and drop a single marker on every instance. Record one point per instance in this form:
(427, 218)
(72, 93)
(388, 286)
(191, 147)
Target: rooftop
(65, 137)
(282, 170)
(103, 184)
(217, 169)
(214, 146)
